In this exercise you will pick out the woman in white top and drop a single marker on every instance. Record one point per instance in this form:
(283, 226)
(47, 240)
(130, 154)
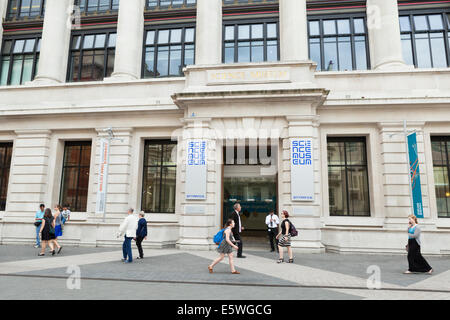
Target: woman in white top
(128, 229)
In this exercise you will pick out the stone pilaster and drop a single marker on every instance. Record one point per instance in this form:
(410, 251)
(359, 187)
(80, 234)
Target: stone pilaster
(28, 174)
(55, 42)
(305, 215)
(3, 9)
(384, 35)
(208, 44)
(293, 30)
(130, 28)
(198, 218)
(118, 197)
(397, 199)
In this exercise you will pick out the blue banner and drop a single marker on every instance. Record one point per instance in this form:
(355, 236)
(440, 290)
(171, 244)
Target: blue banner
(415, 175)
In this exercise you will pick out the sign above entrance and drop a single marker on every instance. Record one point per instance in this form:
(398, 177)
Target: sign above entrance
(244, 76)
(196, 169)
(302, 169)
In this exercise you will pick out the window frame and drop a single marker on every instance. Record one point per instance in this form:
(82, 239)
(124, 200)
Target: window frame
(37, 37)
(82, 143)
(3, 168)
(17, 15)
(236, 23)
(171, 6)
(87, 12)
(442, 138)
(107, 32)
(156, 45)
(345, 140)
(352, 35)
(160, 167)
(445, 14)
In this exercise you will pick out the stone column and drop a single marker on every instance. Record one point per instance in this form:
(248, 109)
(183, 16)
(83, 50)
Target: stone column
(130, 29)
(208, 44)
(305, 215)
(198, 217)
(3, 8)
(384, 35)
(55, 42)
(397, 201)
(29, 174)
(293, 30)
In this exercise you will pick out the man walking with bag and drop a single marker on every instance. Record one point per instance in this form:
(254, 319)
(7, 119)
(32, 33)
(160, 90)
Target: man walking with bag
(238, 228)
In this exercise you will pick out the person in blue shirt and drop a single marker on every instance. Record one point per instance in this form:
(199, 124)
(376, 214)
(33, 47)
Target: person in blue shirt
(141, 234)
(37, 222)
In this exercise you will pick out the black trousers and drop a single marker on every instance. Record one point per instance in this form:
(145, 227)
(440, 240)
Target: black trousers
(238, 239)
(272, 233)
(416, 261)
(139, 246)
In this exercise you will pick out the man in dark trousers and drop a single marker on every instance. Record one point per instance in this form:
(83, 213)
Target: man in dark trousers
(238, 228)
(272, 222)
(141, 234)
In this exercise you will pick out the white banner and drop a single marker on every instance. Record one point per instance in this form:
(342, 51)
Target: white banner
(196, 169)
(102, 177)
(302, 169)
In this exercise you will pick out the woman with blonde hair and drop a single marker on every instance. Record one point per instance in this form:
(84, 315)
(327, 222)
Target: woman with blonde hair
(416, 261)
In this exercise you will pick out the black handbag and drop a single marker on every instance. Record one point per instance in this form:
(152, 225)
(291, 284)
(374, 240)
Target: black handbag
(37, 223)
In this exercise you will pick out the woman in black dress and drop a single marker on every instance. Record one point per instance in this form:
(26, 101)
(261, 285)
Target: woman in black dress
(416, 261)
(47, 232)
(284, 238)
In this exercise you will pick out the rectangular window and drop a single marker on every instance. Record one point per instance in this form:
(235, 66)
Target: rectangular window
(5, 164)
(20, 9)
(258, 42)
(338, 44)
(168, 51)
(165, 4)
(425, 39)
(75, 177)
(92, 56)
(441, 167)
(348, 182)
(159, 182)
(97, 6)
(19, 60)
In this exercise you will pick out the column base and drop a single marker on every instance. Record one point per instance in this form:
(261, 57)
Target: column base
(43, 81)
(393, 66)
(119, 77)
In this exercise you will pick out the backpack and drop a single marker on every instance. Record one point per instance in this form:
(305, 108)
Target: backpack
(292, 231)
(218, 238)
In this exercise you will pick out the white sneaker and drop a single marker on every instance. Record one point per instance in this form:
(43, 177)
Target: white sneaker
(36, 246)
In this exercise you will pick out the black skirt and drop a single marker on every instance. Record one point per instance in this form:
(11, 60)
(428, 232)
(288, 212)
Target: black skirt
(416, 261)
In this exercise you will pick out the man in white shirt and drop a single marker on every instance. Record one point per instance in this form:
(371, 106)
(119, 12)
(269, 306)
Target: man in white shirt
(272, 222)
(128, 229)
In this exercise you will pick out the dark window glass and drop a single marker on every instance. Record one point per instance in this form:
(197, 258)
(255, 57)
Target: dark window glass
(92, 6)
(338, 44)
(240, 2)
(256, 42)
(441, 166)
(5, 164)
(159, 182)
(92, 56)
(425, 39)
(19, 9)
(75, 177)
(19, 60)
(164, 4)
(348, 182)
(168, 51)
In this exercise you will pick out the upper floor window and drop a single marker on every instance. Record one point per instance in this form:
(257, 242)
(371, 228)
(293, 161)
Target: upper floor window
(19, 9)
(19, 60)
(441, 166)
(338, 44)
(425, 39)
(167, 51)
(5, 163)
(257, 42)
(237, 2)
(90, 6)
(92, 56)
(155, 4)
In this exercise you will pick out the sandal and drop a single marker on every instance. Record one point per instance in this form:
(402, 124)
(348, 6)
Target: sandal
(53, 252)
(291, 261)
(41, 254)
(210, 269)
(280, 261)
(235, 272)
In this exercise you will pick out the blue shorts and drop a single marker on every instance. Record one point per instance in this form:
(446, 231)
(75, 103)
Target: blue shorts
(58, 231)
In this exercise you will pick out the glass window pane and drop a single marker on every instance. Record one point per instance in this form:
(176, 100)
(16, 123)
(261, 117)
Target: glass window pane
(423, 51)
(189, 55)
(88, 41)
(420, 23)
(76, 42)
(438, 50)
(169, 154)
(150, 38)
(69, 187)
(98, 69)
(257, 31)
(329, 27)
(337, 189)
(272, 51)
(438, 150)
(244, 32)
(151, 189)
(100, 40)
(435, 22)
(112, 40)
(314, 28)
(361, 53)
(343, 26)
(244, 52)
(189, 36)
(407, 49)
(359, 25)
(149, 63)
(5, 70)
(358, 191)
(405, 24)
(18, 46)
(272, 30)
(168, 187)
(229, 33)
(175, 36)
(257, 51)
(229, 52)
(345, 54)
(336, 153)
(175, 61)
(153, 154)
(163, 36)
(163, 61)
(29, 45)
(356, 153)
(314, 52)
(7, 47)
(330, 54)
(27, 69)
(16, 72)
(442, 188)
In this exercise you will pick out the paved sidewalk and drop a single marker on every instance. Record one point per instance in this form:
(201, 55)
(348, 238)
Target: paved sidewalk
(174, 274)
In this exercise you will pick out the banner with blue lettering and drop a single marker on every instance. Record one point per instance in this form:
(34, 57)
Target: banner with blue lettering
(302, 169)
(415, 175)
(196, 169)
